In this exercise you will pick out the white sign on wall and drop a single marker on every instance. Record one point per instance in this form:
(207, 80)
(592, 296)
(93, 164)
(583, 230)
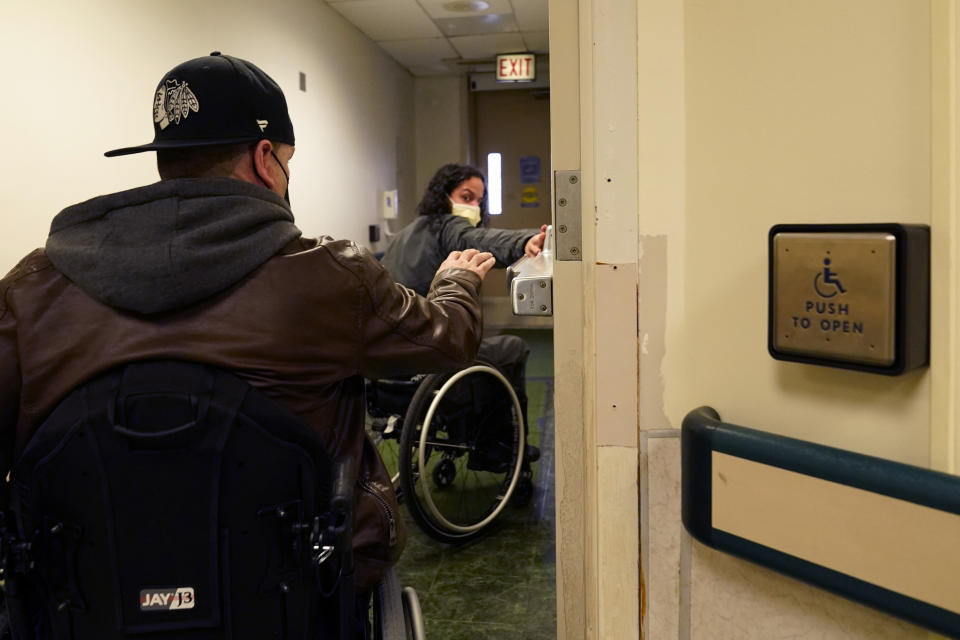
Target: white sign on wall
(516, 67)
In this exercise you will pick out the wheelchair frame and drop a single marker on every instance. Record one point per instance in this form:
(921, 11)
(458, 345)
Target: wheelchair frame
(431, 460)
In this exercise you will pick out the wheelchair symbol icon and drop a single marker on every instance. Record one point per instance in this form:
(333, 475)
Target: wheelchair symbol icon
(825, 278)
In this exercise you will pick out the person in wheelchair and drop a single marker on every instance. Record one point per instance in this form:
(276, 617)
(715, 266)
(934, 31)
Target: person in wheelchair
(207, 265)
(451, 216)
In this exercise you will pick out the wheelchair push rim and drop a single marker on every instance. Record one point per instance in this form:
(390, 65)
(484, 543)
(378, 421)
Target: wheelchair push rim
(431, 506)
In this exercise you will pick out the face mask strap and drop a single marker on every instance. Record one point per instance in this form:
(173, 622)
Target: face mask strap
(286, 193)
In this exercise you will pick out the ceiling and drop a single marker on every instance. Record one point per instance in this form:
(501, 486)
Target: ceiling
(445, 37)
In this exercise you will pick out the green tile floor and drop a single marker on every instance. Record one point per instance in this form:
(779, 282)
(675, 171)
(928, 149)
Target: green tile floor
(503, 585)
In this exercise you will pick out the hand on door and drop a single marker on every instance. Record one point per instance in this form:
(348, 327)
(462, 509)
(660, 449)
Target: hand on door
(471, 260)
(535, 244)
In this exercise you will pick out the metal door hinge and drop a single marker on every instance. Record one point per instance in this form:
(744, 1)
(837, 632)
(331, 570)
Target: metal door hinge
(566, 189)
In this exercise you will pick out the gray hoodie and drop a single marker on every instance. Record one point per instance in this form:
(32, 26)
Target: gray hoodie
(170, 244)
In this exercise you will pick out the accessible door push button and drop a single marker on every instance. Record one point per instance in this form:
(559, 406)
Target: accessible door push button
(855, 296)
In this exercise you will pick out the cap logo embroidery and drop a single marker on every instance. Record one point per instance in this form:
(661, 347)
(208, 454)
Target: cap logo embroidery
(262, 124)
(172, 102)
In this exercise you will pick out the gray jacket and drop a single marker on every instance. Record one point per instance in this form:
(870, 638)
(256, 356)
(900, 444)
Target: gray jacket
(416, 252)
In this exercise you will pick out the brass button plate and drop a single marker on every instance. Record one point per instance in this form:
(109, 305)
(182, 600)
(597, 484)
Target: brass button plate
(834, 295)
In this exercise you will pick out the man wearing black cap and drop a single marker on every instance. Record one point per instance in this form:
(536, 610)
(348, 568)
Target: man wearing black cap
(207, 265)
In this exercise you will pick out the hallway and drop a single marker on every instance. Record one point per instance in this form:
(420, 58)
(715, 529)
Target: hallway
(503, 585)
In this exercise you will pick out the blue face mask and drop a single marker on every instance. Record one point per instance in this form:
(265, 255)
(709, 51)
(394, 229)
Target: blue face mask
(286, 193)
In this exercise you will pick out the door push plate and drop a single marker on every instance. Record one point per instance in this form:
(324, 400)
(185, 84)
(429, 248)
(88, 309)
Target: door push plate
(567, 205)
(532, 296)
(530, 280)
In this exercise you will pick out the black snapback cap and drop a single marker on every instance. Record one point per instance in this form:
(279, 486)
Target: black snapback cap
(212, 100)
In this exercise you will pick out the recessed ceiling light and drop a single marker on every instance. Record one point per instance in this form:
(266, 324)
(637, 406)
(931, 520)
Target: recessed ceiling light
(466, 6)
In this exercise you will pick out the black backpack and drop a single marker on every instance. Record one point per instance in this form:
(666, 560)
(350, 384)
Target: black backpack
(171, 499)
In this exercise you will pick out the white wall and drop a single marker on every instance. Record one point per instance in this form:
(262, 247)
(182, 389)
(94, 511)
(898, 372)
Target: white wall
(79, 79)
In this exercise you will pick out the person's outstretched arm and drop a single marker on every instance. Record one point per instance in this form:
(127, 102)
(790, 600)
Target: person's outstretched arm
(404, 333)
(506, 245)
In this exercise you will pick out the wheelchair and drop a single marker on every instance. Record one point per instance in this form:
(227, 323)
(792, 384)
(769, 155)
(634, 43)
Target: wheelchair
(455, 445)
(172, 500)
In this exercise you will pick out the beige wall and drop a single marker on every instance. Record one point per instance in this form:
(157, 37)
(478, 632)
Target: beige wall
(79, 77)
(749, 113)
(753, 113)
(442, 129)
(809, 112)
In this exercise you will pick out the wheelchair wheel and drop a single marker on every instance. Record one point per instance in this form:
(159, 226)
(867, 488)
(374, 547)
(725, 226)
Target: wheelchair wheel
(461, 452)
(387, 400)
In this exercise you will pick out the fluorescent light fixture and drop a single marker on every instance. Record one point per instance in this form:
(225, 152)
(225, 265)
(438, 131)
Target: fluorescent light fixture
(494, 203)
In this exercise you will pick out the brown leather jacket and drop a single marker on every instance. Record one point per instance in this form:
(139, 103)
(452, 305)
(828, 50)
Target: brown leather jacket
(305, 327)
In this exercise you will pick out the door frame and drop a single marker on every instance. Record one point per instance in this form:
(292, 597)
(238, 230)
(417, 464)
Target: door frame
(593, 57)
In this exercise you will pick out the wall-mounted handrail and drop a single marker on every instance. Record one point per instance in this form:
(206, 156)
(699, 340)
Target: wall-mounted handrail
(708, 442)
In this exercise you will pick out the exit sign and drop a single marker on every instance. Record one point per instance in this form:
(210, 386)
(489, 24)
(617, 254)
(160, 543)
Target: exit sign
(516, 67)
